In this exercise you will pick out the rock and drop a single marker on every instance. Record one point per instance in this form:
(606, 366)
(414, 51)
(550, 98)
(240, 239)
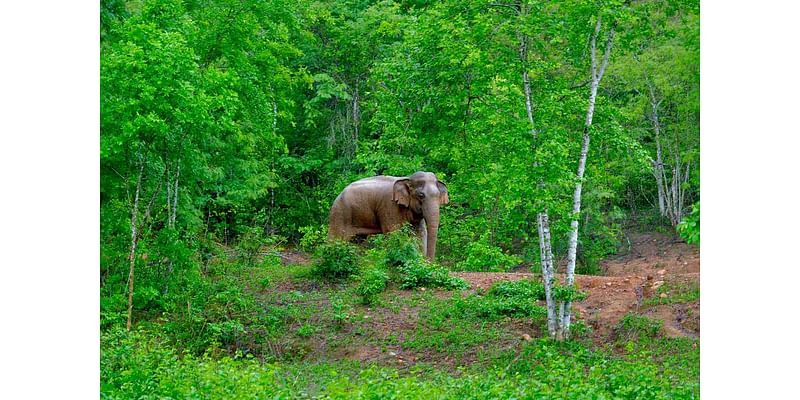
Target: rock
(422, 289)
(391, 353)
(366, 316)
(626, 280)
(608, 283)
(657, 284)
(526, 337)
(662, 271)
(663, 295)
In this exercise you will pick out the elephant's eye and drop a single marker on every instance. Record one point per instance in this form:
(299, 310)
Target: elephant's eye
(421, 195)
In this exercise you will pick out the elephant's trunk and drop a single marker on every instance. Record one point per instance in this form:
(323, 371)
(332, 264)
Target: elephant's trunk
(431, 214)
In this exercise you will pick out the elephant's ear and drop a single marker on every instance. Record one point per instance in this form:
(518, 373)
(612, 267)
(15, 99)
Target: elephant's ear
(400, 192)
(443, 197)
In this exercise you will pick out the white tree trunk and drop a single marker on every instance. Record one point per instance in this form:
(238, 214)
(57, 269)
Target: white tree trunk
(274, 116)
(671, 189)
(597, 76)
(134, 240)
(169, 189)
(546, 256)
(356, 119)
(658, 165)
(542, 219)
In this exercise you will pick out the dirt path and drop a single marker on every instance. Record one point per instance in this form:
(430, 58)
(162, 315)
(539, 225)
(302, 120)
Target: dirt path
(654, 260)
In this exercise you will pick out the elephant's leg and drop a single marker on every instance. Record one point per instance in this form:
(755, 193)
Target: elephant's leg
(422, 233)
(339, 226)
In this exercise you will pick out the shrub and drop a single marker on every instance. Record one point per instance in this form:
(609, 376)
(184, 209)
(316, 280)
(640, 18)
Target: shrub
(337, 260)
(401, 247)
(494, 307)
(525, 288)
(402, 254)
(515, 299)
(251, 242)
(636, 326)
(313, 236)
(485, 257)
(689, 228)
(306, 330)
(568, 293)
(421, 273)
(373, 283)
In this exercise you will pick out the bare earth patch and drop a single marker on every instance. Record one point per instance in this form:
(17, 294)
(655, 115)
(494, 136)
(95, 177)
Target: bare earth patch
(376, 334)
(653, 260)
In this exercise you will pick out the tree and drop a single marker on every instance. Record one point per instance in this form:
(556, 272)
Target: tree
(598, 69)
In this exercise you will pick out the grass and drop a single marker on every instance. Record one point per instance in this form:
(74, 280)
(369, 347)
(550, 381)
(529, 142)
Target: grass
(675, 293)
(135, 365)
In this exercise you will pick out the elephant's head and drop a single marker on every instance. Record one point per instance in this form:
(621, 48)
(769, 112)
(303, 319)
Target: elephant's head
(423, 193)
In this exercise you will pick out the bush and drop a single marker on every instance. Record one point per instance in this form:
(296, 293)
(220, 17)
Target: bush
(515, 299)
(401, 247)
(373, 283)
(402, 255)
(421, 273)
(485, 257)
(493, 307)
(337, 260)
(313, 236)
(689, 228)
(251, 242)
(524, 288)
(639, 327)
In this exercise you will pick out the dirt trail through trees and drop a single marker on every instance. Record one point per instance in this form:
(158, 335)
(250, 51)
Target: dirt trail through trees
(653, 261)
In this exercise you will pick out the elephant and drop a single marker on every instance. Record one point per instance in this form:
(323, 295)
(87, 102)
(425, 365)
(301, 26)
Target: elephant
(381, 204)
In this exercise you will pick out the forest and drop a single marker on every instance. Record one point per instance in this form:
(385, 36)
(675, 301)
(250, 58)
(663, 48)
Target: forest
(567, 134)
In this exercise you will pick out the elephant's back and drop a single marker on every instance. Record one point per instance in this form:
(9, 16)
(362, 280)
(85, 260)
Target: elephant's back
(372, 183)
(367, 192)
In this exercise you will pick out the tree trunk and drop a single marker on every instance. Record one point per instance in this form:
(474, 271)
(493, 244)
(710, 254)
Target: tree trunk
(597, 76)
(274, 116)
(658, 165)
(546, 256)
(134, 240)
(356, 120)
(542, 219)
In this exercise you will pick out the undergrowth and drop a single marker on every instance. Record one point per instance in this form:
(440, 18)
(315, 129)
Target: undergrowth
(139, 365)
(674, 293)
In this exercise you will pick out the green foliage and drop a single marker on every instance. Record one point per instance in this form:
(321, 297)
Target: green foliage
(483, 257)
(401, 247)
(139, 365)
(568, 293)
(516, 299)
(306, 330)
(675, 293)
(492, 308)
(313, 236)
(635, 326)
(221, 315)
(336, 260)
(522, 289)
(373, 282)
(689, 228)
(421, 273)
(238, 122)
(251, 243)
(404, 260)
